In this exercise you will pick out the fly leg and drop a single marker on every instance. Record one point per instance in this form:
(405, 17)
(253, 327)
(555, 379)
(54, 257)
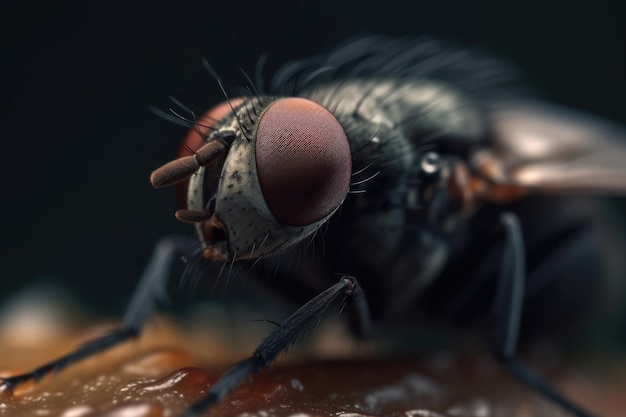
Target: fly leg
(286, 335)
(508, 310)
(148, 294)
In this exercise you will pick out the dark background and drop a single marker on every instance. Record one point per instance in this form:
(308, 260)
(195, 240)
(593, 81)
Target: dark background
(78, 78)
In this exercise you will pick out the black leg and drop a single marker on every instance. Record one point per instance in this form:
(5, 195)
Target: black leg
(507, 317)
(149, 292)
(285, 336)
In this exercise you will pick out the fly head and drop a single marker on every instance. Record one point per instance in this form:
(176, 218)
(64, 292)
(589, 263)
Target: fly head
(275, 170)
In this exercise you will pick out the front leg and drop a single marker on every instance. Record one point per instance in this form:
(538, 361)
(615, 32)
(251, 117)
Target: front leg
(148, 294)
(290, 332)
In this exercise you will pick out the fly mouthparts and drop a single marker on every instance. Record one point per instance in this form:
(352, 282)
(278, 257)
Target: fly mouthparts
(214, 232)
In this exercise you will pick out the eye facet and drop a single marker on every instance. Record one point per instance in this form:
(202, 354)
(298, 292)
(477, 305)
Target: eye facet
(303, 161)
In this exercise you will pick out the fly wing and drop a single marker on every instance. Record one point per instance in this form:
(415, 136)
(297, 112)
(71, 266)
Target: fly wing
(551, 149)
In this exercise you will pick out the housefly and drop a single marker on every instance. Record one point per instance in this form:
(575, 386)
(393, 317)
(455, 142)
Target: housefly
(426, 171)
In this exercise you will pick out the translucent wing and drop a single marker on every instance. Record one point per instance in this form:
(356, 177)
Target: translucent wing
(551, 149)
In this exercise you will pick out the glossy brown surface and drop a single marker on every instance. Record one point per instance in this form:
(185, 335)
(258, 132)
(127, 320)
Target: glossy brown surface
(163, 382)
(158, 376)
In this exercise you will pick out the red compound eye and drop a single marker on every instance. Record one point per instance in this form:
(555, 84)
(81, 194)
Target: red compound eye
(303, 160)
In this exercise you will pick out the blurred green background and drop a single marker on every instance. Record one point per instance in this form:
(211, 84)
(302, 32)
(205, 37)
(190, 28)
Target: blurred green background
(78, 79)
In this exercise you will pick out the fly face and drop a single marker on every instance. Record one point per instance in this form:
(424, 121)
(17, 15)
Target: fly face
(283, 168)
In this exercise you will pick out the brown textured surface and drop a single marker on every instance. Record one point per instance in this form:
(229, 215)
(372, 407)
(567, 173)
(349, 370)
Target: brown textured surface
(159, 376)
(163, 382)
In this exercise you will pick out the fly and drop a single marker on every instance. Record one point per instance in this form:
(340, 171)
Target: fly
(426, 171)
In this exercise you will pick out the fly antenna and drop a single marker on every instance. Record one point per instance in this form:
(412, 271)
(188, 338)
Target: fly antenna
(181, 168)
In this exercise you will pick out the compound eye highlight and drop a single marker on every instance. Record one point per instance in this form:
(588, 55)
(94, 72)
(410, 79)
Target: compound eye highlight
(303, 161)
